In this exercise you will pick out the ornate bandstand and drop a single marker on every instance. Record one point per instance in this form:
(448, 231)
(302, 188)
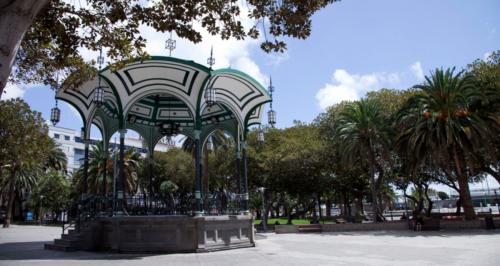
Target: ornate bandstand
(163, 97)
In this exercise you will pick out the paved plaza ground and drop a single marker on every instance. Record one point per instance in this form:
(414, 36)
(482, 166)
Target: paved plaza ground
(23, 245)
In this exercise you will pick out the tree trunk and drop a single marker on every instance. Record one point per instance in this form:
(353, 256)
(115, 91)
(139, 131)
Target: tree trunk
(459, 206)
(328, 204)
(463, 185)
(319, 208)
(15, 18)
(373, 188)
(10, 201)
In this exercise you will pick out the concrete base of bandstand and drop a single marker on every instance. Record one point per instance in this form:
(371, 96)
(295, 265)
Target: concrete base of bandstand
(162, 234)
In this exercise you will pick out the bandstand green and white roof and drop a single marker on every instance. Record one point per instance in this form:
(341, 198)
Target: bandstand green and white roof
(164, 89)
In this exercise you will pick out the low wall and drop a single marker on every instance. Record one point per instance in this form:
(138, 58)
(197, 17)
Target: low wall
(286, 229)
(462, 225)
(389, 226)
(168, 233)
(448, 225)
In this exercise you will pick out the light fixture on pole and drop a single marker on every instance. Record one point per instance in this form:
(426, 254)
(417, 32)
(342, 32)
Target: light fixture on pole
(271, 114)
(99, 91)
(55, 113)
(210, 96)
(260, 135)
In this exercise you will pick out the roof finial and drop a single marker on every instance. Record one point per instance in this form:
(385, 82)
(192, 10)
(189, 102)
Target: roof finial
(170, 44)
(211, 59)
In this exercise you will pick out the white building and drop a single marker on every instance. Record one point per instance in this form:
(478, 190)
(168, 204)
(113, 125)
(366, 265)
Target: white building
(72, 145)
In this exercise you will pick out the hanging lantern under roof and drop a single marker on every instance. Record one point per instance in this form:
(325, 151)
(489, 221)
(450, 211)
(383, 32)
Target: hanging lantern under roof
(99, 95)
(170, 129)
(260, 135)
(55, 115)
(271, 115)
(210, 96)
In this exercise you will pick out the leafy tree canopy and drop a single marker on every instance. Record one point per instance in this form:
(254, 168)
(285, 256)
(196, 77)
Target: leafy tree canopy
(52, 31)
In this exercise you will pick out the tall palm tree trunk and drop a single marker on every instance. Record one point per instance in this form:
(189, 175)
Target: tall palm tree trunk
(10, 202)
(373, 188)
(463, 185)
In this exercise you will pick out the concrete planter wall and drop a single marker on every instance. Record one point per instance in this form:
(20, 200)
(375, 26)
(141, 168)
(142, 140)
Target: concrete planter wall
(390, 226)
(462, 225)
(286, 229)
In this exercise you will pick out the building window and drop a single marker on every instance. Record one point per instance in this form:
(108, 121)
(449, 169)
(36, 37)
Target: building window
(66, 138)
(78, 140)
(56, 136)
(79, 156)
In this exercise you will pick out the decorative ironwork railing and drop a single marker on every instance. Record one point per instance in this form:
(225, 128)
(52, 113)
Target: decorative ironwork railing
(217, 203)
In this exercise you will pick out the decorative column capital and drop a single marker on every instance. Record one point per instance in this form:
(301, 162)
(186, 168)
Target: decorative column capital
(197, 134)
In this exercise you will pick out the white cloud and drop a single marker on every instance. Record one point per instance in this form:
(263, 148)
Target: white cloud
(350, 87)
(486, 55)
(417, 70)
(13, 91)
(227, 53)
(275, 58)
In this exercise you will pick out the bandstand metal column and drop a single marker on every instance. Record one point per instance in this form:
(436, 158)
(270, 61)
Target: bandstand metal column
(197, 160)
(105, 173)
(85, 165)
(245, 177)
(121, 176)
(238, 169)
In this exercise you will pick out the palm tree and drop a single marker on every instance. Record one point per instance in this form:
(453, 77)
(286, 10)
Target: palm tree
(362, 135)
(100, 169)
(56, 157)
(439, 122)
(132, 161)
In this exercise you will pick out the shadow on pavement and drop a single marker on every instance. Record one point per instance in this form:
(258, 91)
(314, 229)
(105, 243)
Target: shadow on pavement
(36, 251)
(414, 233)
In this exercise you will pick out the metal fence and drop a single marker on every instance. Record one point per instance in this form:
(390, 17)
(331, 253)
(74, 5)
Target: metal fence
(218, 203)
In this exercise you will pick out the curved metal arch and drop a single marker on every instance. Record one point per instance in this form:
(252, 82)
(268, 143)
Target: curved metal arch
(239, 119)
(251, 93)
(141, 96)
(100, 126)
(249, 121)
(82, 116)
(212, 130)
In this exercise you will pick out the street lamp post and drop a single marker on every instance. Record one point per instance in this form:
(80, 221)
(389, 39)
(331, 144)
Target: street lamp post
(264, 220)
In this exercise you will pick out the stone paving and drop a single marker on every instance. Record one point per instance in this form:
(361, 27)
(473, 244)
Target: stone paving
(23, 245)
